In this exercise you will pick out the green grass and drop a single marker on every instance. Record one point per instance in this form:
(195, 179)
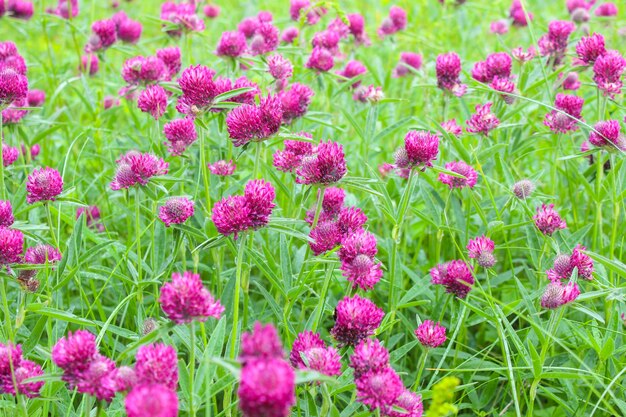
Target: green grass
(513, 357)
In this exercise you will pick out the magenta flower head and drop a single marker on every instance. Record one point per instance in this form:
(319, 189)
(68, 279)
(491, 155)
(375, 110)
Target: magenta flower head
(182, 16)
(482, 249)
(36, 98)
(548, 220)
(353, 69)
(180, 134)
(222, 168)
(325, 237)
(469, 175)
(556, 294)
(9, 153)
(356, 319)
(176, 211)
(590, 48)
(20, 9)
(571, 81)
(211, 11)
(231, 44)
(157, 364)
(456, 276)
(408, 404)
(430, 334)
(74, 352)
(171, 58)
(394, 23)
(483, 121)
(198, 88)
(255, 123)
(516, 12)
(129, 31)
(524, 56)
(321, 60)
(420, 149)
(358, 264)
(289, 35)
(40, 254)
(262, 343)
(185, 299)
(6, 213)
(26, 369)
(499, 27)
(153, 100)
(265, 39)
(267, 388)
(608, 70)
(295, 101)
(134, 168)
(104, 34)
(379, 389)
(326, 165)
(606, 10)
(554, 43)
(368, 94)
(452, 127)
(564, 265)
(608, 135)
(568, 111)
(154, 400)
(44, 184)
(305, 341)
(259, 195)
(11, 246)
(10, 357)
(279, 67)
(369, 355)
(310, 352)
(13, 86)
(448, 67)
(289, 159)
(523, 189)
(409, 61)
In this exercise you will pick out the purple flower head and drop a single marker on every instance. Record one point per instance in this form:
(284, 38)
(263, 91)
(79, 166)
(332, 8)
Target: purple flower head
(606, 10)
(572, 5)
(65, 9)
(313, 14)
(279, 67)
(321, 60)
(248, 26)
(356, 319)
(396, 22)
(211, 11)
(353, 68)
(326, 361)
(265, 39)
(13, 86)
(499, 27)
(289, 159)
(267, 388)
(548, 220)
(153, 400)
(153, 100)
(262, 343)
(571, 81)
(350, 220)
(10, 358)
(556, 294)
(431, 334)
(295, 101)
(74, 352)
(97, 379)
(44, 184)
(327, 39)
(325, 237)
(231, 215)
(198, 87)
(326, 165)
(40, 254)
(232, 44)
(25, 370)
(369, 355)
(222, 168)
(516, 12)
(523, 189)
(134, 168)
(104, 34)
(498, 65)
(305, 341)
(171, 58)
(607, 134)
(608, 70)
(409, 61)
(482, 249)
(357, 260)
(247, 97)
(6, 213)
(21, 9)
(452, 127)
(483, 121)
(11, 245)
(408, 404)
(180, 134)
(129, 31)
(144, 70)
(564, 266)
(456, 276)
(590, 48)
(448, 68)
(379, 389)
(524, 56)
(183, 16)
(568, 111)
(289, 35)
(420, 149)
(368, 94)
(255, 123)
(157, 364)
(260, 195)
(36, 98)
(469, 175)
(9, 153)
(185, 299)
(176, 211)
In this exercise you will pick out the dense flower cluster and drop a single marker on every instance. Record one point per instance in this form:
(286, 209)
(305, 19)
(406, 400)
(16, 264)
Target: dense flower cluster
(185, 299)
(134, 168)
(456, 276)
(15, 370)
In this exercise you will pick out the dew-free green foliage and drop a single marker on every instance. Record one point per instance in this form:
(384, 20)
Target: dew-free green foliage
(512, 357)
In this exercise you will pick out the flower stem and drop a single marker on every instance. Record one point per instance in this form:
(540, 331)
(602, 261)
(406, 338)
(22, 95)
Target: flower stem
(138, 244)
(192, 366)
(420, 370)
(205, 174)
(238, 271)
(50, 225)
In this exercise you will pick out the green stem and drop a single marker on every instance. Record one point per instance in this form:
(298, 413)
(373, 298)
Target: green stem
(138, 245)
(597, 230)
(238, 270)
(205, 173)
(192, 366)
(322, 300)
(418, 378)
(50, 225)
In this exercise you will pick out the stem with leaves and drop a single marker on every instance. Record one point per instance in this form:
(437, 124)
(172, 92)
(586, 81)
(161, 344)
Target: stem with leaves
(238, 272)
